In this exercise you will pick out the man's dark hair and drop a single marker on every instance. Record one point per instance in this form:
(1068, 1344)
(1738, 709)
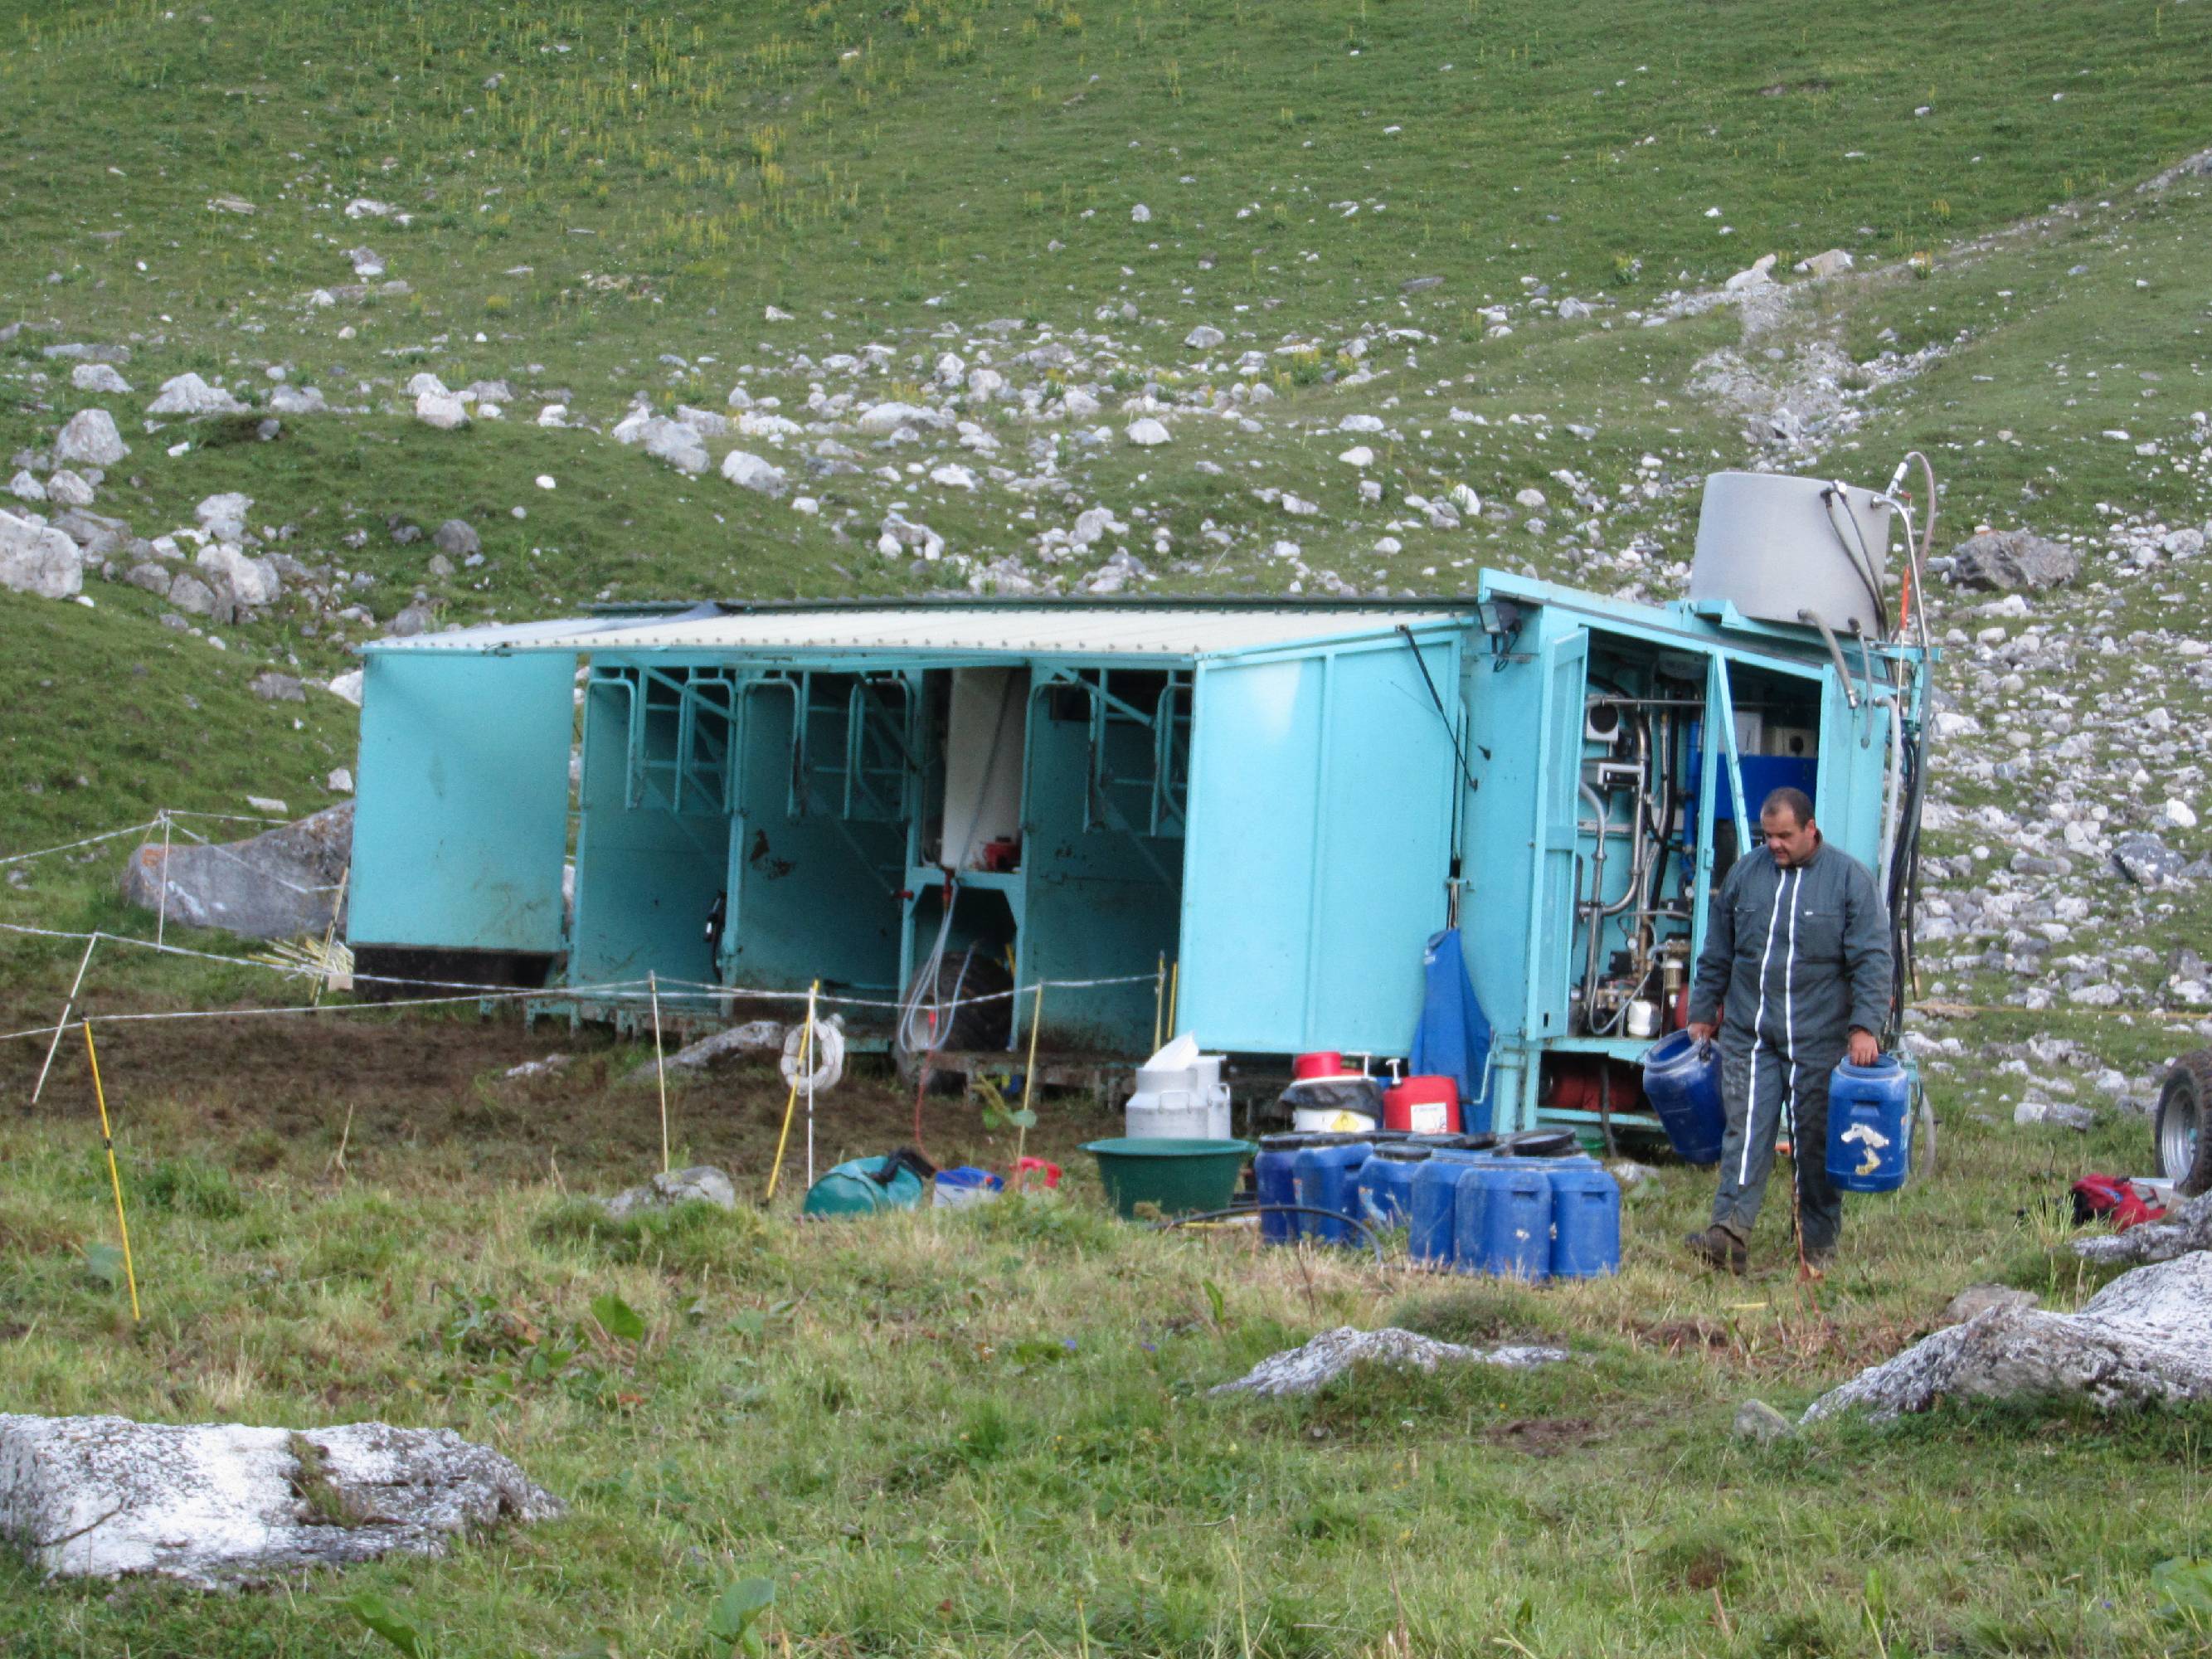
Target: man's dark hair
(1796, 802)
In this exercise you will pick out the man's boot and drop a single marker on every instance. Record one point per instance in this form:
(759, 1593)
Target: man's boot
(1719, 1247)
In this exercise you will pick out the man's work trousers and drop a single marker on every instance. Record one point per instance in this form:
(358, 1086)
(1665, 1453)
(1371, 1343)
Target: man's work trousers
(1763, 1090)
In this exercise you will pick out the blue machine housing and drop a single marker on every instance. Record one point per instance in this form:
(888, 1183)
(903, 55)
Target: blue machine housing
(1285, 801)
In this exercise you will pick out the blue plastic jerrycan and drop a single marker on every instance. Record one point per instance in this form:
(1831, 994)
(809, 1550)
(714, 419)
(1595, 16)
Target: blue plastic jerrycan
(1682, 1081)
(1869, 1125)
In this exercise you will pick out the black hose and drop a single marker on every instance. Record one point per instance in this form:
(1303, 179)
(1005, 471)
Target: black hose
(1373, 1239)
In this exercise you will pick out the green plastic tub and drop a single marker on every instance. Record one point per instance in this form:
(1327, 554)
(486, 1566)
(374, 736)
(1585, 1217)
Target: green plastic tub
(1181, 1176)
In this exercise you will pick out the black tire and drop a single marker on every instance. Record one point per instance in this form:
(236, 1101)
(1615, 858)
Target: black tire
(2177, 1142)
(977, 1027)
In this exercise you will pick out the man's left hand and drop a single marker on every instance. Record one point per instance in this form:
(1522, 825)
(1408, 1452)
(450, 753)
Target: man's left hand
(1865, 1051)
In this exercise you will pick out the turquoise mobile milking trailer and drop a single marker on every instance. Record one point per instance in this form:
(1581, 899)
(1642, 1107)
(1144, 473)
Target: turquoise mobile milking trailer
(921, 802)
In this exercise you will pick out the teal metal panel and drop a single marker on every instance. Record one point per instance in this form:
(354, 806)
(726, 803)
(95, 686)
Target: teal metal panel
(1098, 901)
(461, 821)
(812, 895)
(1318, 847)
(644, 875)
(1854, 758)
(1557, 802)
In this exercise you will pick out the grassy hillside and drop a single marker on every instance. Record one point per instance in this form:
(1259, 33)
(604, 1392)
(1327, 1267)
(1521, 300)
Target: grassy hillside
(1448, 246)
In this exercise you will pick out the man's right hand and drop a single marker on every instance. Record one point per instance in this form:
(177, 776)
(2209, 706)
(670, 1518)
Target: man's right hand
(1701, 1031)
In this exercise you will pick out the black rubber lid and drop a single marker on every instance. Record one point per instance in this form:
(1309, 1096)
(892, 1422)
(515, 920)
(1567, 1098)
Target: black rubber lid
(1476, 1143)
(1541, 1143)
(1403, 1154)
(1286, 1143)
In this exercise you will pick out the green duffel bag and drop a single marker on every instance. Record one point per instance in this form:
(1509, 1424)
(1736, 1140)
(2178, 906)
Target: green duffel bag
(862, 1185)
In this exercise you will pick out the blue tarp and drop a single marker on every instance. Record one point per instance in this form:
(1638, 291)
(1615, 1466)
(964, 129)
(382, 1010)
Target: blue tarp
(1453, 1039)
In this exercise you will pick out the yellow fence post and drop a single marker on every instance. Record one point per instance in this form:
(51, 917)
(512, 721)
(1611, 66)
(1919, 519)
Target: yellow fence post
(114, 1176)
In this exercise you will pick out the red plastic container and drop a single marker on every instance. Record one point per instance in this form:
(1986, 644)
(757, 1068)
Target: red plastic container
(1423, 1106)
(1324, 1063)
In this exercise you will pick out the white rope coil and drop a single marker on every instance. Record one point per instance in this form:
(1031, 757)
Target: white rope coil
(827, 1052)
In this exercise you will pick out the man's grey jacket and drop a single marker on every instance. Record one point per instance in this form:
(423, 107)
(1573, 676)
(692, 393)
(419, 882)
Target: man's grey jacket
(1799, 957)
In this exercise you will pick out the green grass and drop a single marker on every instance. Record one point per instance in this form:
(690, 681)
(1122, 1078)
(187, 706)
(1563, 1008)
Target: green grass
(989, 1432)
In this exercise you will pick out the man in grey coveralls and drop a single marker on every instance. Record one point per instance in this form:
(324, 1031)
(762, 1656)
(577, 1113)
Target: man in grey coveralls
(1795, 973)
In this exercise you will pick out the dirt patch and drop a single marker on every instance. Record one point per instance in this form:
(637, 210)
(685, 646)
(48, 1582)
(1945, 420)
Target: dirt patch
(415, 1099)
(1547, 1437)
(1675, 1336)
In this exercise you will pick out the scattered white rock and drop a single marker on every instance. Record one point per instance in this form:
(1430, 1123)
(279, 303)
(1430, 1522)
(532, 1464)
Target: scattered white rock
(1302, 1369)
(346, 687)
(188, 394)
(1204, 338)
(252, 582)
(223, 516)
(25, 486)
(886, 418)
(701, 1184)
(750, 471)
(1140, 215)
(66, 488)
(99, 377)
(443, 410)
(678, 445)
(1145, 433)
(1357, 455)
(1759, 275)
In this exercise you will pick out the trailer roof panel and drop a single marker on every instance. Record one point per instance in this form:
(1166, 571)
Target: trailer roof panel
(1037, 630)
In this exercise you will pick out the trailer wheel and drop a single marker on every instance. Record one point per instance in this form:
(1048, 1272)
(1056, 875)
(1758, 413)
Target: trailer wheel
(1922, 1164)
(967, 976)
(2176, 1137)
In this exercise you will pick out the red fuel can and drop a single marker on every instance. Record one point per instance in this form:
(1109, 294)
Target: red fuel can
(1423, 1106)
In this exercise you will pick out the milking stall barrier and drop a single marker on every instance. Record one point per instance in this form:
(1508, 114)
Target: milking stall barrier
(923, 804)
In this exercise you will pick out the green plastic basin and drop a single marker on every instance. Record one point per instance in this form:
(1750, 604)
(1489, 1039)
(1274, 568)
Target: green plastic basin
(1181, 1176)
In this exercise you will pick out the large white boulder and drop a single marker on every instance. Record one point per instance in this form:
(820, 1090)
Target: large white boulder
(36, 558)
(223, 1504)
(90, 439)
(1147, 433)
(2145, 1338)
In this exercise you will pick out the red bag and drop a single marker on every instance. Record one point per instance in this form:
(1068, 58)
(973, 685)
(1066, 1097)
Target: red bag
(1029, 1166)
(2109, 1197)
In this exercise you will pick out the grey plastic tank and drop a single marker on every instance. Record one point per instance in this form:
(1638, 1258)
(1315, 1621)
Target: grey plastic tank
(1776, 546)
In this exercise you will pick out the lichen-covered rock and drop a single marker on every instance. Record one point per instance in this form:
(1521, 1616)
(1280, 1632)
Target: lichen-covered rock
(36, 558)
(222, 1504)
(2145, 1337)
(276, 885)
(2007, 559)
(1302, 1369)
(702, 1183)
(2185, 1229)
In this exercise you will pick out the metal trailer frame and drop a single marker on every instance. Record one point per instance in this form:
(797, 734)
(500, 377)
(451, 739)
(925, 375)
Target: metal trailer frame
(1283, 796)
